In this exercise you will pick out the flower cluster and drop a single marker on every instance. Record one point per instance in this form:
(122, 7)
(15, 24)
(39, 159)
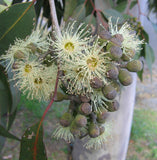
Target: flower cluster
(92, 70)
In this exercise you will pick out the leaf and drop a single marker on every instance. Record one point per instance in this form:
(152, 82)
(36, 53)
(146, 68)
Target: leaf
(5, 133)
(140, 75)
(114, 14)
(79, 13)
(7, 2)
(2, 7)
(11, 119)
(27, 144)
(16, 22)
(90, 20)
(154, 26)
(149, 57)
(121, 7)
(38, 5)
(133, 3)
(70, 6)
(5, 94)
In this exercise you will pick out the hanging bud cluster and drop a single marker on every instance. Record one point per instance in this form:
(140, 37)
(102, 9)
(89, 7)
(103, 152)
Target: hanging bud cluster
(93, 68)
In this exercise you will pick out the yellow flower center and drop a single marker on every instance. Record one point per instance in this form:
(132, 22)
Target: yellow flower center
(28, 68)
(38, 80)
(92, 63)
(69, 46)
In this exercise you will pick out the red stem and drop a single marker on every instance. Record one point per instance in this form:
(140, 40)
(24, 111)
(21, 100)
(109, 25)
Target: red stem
(42, 119)
(99, 15)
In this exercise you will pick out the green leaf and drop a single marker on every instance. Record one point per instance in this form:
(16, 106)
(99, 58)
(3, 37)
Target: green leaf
(70, 6)
(140, 75)
(27, 144)
(5, 95)
(154, 26)
(11, 119)
(133, 3)
(90, 20)
(121, 7)
(5, 133)
(149, 57)
(114, 14)
(16, 22)
(2, 7)
(79, 13)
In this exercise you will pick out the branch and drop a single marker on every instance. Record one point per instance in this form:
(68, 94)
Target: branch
(54, 16)
(42, 119)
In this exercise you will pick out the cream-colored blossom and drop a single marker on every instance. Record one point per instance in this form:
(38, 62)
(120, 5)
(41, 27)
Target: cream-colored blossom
(131, 40)
(63, 133)
(91, 64)
(98, 142)
(71, 42)
(35, 80)
(37, 42)
(98, 100)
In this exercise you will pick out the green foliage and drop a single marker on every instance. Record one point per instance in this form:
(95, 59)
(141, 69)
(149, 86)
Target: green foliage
(150, 57)
(16, 22)
(5, 133)
(114, 14)
(27, 144)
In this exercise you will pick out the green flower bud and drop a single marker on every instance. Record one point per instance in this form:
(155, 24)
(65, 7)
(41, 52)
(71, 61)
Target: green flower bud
(109, 92)
(115, 52)
(115, 85)
(112, 71)
(85, 108)
(134, 66)
(105, 35)
(112, 106)
(66, 119)
(85, 99)
(119, 36)
(74, 129)
(130, 54)
(102, 116)
(125, 77)
(94, 130)
(116, 41)
(19, 55)
(80, 120)
(96, 83)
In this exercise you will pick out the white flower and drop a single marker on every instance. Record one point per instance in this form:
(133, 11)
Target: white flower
(35, 80)
(131, 40)
(63, 133)
(98, 100)
(15, 51)
(98, 142)
(71, 42)
(37, 42)
(91, 64)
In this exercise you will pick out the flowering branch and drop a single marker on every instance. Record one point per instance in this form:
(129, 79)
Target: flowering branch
(54, 16)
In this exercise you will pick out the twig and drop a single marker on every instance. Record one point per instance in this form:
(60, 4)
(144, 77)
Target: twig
(54, 16)
(42, 119)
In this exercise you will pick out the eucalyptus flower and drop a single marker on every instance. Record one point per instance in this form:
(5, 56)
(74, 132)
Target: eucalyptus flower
(130, 39)
(34, 79)
(63, 133)
(72, 41)
(98, 142)
(37, 42)
(91, 64)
